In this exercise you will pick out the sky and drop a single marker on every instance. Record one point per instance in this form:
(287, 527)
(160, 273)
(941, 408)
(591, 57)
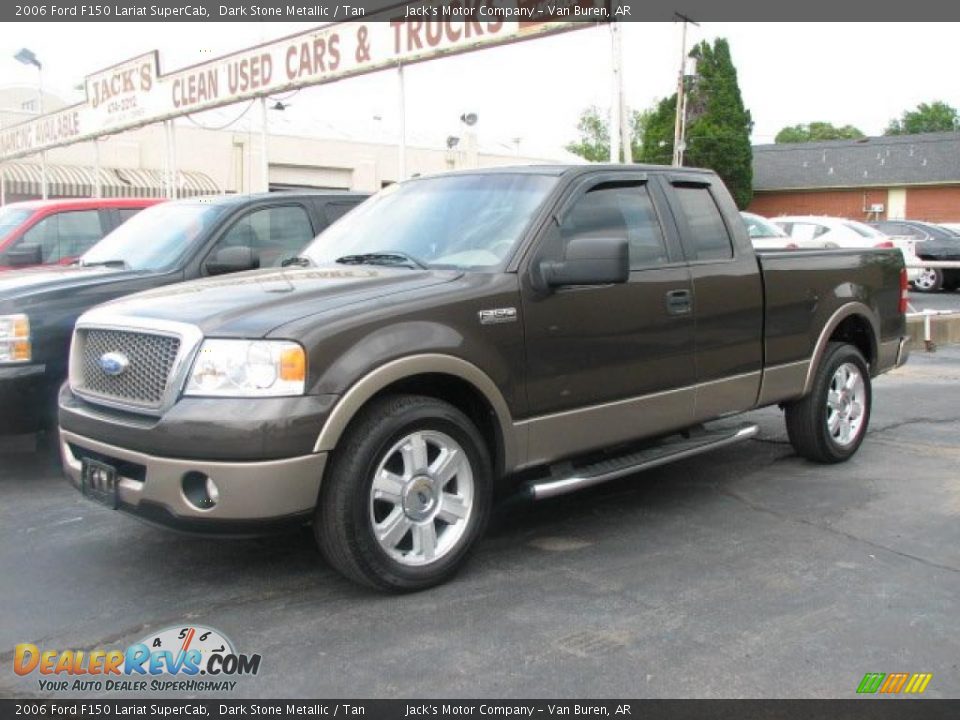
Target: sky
(862, 74)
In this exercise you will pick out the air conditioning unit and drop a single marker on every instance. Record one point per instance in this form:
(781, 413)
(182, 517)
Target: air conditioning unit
(876, 207)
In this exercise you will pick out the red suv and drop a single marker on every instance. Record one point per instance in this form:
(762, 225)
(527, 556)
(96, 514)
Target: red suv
(57, 232)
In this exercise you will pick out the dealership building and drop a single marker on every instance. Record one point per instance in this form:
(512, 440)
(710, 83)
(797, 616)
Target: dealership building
(914, 177)
(137, 163)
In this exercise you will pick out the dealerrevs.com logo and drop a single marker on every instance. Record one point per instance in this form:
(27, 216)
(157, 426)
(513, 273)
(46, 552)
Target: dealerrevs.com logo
(178, 658)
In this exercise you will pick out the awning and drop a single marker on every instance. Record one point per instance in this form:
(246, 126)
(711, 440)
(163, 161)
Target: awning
(24, 179)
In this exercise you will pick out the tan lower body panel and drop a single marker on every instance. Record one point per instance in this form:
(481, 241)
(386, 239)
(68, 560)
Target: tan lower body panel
(783, 382)
(552, 437)
(248, 490)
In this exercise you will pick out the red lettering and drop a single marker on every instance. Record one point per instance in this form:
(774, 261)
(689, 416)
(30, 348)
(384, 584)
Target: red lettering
(146, 78)
(413, 34)
(333, 47)
(434, 32)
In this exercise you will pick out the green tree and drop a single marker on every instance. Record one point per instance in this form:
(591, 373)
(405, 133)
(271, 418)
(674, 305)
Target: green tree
(657, 147)
(817, 131)
(718, 124)
(936, 116)
(594, 142)
(594, 129)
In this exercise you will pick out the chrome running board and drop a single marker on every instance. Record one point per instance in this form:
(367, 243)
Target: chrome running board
(565, 478)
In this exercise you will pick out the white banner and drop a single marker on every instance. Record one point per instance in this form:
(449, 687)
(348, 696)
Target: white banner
(133, 93)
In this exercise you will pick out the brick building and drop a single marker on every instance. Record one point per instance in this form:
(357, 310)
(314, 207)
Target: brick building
(908, 176)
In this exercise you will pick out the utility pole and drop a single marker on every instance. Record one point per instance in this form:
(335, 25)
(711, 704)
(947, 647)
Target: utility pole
(680, 124)
(402, 112)
(616, 107)
(264, 144)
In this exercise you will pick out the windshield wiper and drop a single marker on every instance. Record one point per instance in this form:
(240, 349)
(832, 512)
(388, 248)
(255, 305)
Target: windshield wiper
(105, 263)
(298, 261)
(390, 257)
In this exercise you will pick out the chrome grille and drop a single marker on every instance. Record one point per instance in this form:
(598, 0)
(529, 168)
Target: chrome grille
(143, 383)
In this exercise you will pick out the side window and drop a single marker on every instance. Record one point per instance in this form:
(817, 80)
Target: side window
(124, 214)
(336, 210)
(619, 211)
(44, 234)
(275, 234)
(805, 231)
(78, 231)
(709, 237)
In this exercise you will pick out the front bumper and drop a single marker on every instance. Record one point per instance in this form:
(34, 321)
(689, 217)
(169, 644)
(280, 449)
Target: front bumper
(254, 497)
(24, 401)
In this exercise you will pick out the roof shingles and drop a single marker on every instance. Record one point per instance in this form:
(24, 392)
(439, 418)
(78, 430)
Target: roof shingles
(931, 158)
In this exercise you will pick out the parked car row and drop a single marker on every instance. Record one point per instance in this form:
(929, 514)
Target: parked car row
(931, 242)
(57, 232)
(918, 241)
(164, 244)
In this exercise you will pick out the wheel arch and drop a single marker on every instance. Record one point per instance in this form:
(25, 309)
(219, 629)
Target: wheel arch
(853, 323)
(444, 377)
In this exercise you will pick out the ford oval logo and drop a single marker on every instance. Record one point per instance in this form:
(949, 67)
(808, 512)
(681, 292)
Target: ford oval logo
(114, 363)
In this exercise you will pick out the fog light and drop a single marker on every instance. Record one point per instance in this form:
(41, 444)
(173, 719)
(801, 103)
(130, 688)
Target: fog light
(200, 490)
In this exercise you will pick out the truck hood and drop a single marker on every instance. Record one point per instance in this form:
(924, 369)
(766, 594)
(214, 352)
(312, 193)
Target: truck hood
(251, 304)
(32, 281)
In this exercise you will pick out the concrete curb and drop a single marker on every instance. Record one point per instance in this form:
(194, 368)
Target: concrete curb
(944, 330)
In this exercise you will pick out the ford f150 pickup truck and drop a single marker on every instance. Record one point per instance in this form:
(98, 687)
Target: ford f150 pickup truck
(547, 328)
(164, 244)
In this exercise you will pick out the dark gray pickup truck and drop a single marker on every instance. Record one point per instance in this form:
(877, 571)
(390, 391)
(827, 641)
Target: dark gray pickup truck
(543, 329)
(164, 244)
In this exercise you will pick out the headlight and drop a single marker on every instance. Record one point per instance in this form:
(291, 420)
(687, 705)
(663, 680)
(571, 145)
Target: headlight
(248, 368)
(14, 339)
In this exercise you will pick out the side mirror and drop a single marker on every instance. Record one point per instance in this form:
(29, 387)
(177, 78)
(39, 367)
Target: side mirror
(24, 256)
(231, 260)
(588, 261)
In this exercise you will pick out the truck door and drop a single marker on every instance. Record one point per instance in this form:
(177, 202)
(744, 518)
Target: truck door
(727, 297)
(613, 362)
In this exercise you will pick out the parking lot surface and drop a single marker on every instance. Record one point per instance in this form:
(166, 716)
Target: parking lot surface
(943, 301)
(748, 572)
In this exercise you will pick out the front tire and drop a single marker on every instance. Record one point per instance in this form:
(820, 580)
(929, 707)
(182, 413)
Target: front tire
(829, 424)
(407, 495)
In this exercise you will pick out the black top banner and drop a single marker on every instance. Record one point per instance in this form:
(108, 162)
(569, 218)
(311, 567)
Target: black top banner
(321, 11)
(489, 709)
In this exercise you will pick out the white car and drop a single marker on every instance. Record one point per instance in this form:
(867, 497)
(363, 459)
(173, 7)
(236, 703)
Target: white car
(765, 235)
(815, 231)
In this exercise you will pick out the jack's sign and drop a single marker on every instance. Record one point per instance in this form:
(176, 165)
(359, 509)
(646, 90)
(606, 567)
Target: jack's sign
(134, 93)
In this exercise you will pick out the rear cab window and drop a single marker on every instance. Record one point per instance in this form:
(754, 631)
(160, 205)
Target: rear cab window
(707, 237)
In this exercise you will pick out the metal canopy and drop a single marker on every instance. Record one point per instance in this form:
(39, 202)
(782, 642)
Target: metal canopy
(25, 179)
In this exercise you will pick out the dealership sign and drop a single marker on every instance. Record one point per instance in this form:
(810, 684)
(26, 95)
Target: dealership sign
(134, 93)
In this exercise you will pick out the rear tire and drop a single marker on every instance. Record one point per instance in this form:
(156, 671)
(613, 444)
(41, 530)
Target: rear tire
(930, 280)
(407, 494)
(829, 424)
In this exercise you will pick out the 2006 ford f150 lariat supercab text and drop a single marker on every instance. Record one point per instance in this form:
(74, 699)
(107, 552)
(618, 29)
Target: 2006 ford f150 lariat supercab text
(539, 329)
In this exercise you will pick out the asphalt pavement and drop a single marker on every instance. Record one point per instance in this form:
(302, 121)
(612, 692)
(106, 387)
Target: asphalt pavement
(748, 572)
(943, 301)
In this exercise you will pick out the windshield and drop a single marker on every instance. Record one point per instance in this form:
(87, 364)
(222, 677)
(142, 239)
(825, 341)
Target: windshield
(10, 219)
(864, 230)
(937, 231)
(758, 227)
(155, 238)
(457, 221)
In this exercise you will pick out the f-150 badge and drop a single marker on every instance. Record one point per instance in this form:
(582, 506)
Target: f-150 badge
(498, 315)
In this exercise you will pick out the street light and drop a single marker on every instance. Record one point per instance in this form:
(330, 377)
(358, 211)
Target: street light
(27, 57)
